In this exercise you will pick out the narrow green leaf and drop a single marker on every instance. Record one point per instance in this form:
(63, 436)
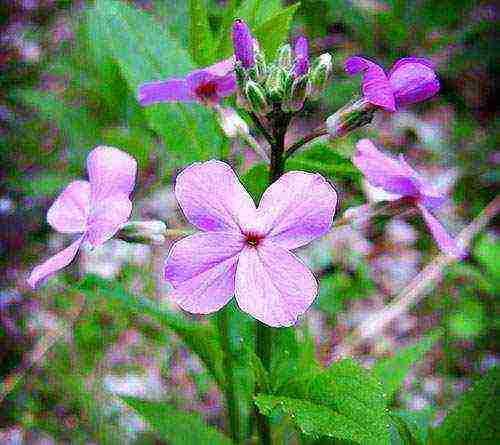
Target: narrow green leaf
(145, 52)
(475, 419)
(175, 426)
(201, 41)
(274, 31)
(200, 338)
(393, 370)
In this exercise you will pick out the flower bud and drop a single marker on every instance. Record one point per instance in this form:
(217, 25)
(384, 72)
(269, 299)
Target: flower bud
(231, 122)
(260, 67)
(275, 83)
(145, 232)
(295, 101)
(350, 117)
(240, 75)
(284, 57)
(256, 97)
(243, 44)
(320, 73)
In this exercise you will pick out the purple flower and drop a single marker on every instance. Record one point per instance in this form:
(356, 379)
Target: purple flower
(243, 250)
(208, 86)
(301, 50)
(409, 81)
(243, 44)
(397, 177)
(96, 208)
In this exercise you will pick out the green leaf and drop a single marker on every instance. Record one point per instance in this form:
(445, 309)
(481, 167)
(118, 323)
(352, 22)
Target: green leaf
(487, 252)
(175, 426)
(201, 41)
(475, 419)
(200, 338)
(274, 31)
(145, 52)
(412, 427)
(256, 181)
(393, 370)
(345, 396)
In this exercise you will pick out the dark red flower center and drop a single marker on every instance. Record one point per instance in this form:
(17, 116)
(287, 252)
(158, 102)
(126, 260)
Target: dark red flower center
(253, 239)
(206, 90)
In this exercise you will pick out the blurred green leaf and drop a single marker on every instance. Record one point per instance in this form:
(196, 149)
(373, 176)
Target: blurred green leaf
(392, 371)
(200, 338)
(145, 52)
(487, 253)
(175, 426)
(201, 41)
(468, 320)
(475, 419)
(412, 427)
(344, 401)
(274, 31)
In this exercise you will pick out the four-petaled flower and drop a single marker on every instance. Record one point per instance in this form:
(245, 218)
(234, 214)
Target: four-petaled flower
(207, 86)
(243, 250)
(409, 81)
(301, 50)
(96, 208)
(400, 179)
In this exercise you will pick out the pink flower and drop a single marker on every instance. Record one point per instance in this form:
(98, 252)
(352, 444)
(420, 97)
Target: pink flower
(398, 178)
(243, 250)
(208, 86)
(96, 209)
(409, 81)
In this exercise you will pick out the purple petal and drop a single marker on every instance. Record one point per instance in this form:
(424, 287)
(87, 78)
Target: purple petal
(107, 217)
(413, 80)
(383, 171)
(202, 270)
(226, 85)
(221, 68)
(273, 286)
(443, 239)
(212, 197)
(301, 49)
(243, 44)
(111, 171)
(297, 208)
(171, 90)
(376, 86)
(70, 210)
(54, 263)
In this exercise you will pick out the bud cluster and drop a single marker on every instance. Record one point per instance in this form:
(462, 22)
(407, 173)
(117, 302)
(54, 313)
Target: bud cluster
(284, 84)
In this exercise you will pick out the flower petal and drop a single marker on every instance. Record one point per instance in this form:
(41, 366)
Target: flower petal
(443, 239)
(383, 171)
(297, 208)
(107, 217)
(55, 263)
(413, 80)
(111, 171)
(212, 197)
(221, 68)
(301, 50)
(69, 212)
(171, 90)
(273, 286)
(202, 268)
(226, 85)
(376, 86)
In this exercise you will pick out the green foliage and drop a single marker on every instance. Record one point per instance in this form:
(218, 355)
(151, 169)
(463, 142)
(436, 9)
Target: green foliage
(412, 427)
(344, 401)
(201, 40)
(144, 52)
(392, 371)
(475, 419)
(200, 338)
(487, 253)
(175, 426)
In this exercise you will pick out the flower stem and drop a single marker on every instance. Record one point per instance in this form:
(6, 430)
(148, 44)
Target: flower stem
(229, 390)
(321, 131)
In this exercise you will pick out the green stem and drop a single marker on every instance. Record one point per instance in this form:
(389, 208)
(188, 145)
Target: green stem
(229, 390)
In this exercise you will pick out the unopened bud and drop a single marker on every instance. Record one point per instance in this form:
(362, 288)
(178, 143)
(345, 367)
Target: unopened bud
(350, 117)
(260, 67)
(240, 75)
(320, 74)
(231, 122)
(256, 97)
(298, 95)
(275, 83)
(284, 57)
(145, 232)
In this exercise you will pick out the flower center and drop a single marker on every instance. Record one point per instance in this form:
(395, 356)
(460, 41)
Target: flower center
(206, 90)
(253, 239)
